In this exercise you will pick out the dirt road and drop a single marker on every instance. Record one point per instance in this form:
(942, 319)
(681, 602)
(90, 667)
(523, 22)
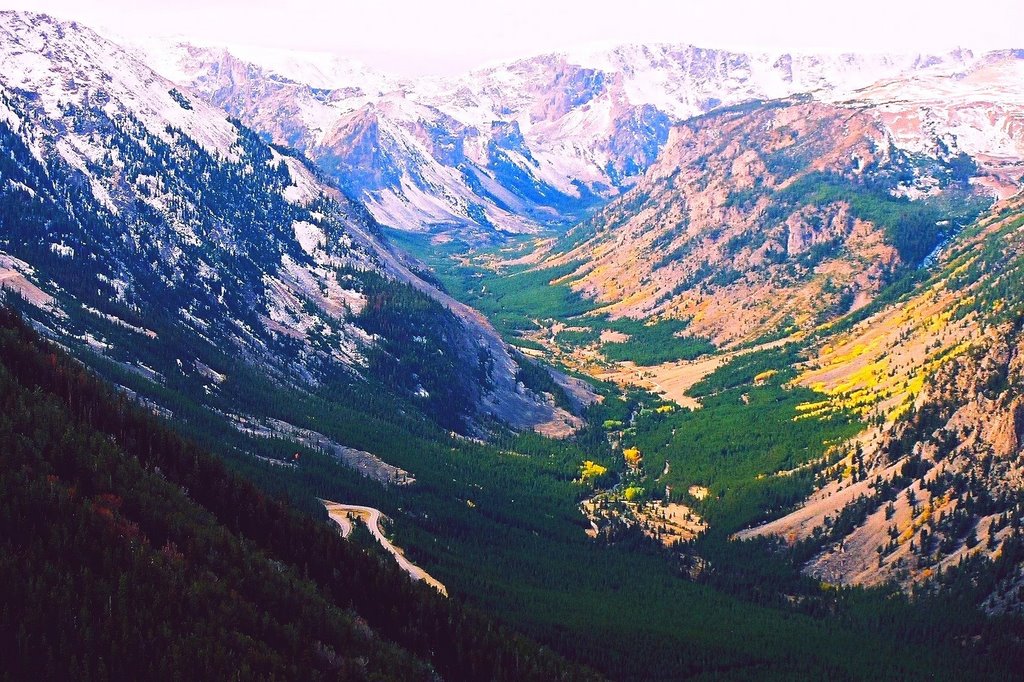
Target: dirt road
(342, 514)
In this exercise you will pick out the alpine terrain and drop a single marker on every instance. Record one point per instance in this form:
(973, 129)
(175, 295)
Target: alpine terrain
(648, 362)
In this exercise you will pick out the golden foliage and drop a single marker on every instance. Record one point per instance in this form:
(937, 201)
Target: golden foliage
(590, 470)
(633, 492)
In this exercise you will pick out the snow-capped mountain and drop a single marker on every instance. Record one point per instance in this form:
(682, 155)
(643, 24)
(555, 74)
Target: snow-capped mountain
(147, 226)
(975, 110)
(746, 207)
(535, 142)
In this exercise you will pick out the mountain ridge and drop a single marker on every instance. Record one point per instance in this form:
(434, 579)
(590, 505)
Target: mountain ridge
(168, 199)
(518, 147)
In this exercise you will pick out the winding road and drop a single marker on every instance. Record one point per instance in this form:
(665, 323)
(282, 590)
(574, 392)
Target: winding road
(342, 514)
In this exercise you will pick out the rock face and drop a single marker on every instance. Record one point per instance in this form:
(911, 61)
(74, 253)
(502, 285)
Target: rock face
(775, 216)
(175, 242)
(536, 142)
(756, 221)
(939, 477)
(972, 117)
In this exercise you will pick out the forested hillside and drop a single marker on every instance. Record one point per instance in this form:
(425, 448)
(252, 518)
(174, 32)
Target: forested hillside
(139, 556)
(935, 377)
(169, 531)
(154, 230)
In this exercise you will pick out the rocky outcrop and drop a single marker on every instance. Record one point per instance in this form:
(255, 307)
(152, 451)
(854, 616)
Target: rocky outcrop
(744, 225)
(938, 480)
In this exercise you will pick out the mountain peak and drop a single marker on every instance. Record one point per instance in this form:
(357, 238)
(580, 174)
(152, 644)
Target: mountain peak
(157, 196)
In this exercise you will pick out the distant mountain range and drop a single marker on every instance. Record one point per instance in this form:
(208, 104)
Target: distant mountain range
(534, 143)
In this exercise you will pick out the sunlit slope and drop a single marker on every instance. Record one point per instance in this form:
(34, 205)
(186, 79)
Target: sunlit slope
(937, 481)
(879, 366)
(766, 219)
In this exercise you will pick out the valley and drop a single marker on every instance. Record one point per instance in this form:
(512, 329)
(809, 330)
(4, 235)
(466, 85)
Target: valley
(661, 362)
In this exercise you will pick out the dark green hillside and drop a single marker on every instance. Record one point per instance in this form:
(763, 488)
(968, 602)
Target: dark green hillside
(232, 565)
(628, 606)
(128, 553)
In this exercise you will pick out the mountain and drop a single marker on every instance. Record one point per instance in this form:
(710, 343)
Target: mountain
(973, 110)
(774, 217)
(858, 229)
(823, 329)
(936, 483)
(514, 148)
(150, 229)
(839, 270)
(735, 200)
(125, 539)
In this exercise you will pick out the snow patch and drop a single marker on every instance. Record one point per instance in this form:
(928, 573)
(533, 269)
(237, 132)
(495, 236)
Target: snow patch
(310, 237)
(305, 188)
(62, 250)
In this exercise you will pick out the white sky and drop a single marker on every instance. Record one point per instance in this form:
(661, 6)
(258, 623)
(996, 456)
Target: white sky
(410, 37)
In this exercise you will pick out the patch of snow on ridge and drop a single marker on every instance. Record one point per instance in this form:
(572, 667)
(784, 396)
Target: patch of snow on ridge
(310, 237)
(317, 69)
(65, 63)
(305, 187)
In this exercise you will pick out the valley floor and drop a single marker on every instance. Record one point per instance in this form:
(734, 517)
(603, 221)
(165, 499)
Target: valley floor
(673, 380)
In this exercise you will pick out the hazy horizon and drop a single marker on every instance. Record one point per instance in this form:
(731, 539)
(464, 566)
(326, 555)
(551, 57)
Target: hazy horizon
(453, 36)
